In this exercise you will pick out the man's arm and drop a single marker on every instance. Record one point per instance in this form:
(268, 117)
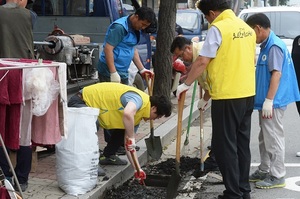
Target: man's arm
(197, 68)
(274, 83)
(109, 56)
(137, 61)
(115, 35)
(128, 119)
(275, 62)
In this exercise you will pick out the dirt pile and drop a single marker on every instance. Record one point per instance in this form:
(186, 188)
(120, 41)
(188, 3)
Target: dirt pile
(133, 190)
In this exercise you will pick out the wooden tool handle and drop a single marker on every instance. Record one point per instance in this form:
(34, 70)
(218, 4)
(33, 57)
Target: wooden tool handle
(149, 85)
(150, 92)
(179, 126)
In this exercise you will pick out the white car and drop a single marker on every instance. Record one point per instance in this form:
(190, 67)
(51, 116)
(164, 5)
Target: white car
(285, 21)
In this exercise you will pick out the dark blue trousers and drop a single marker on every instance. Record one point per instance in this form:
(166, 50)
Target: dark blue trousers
(231, 126)
(23, 166)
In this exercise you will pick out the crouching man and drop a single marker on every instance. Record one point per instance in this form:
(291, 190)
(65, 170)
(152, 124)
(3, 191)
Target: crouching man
(121, 107)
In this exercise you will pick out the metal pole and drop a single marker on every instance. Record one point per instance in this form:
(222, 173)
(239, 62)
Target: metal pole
(11, 166)
(43, 43)
(25, 66)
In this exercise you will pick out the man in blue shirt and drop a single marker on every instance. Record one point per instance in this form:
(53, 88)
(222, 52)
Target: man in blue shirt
(119, 50)
(119, 46)
(276, 87)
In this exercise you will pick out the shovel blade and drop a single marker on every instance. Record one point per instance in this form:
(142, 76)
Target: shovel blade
(154, 147)
(173, 185)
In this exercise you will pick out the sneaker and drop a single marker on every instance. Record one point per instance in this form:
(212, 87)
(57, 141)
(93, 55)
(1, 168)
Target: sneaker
(121, 151)
(271, 182)
(23, 186)
(112, 160)
(101, 171)
(258, 175)
(298, 154)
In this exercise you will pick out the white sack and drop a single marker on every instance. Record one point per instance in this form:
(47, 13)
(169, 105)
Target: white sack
(77, 157)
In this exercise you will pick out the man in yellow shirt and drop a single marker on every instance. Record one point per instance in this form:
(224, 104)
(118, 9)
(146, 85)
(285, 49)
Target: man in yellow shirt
(188, 51)
(121, 107)
(228, 55)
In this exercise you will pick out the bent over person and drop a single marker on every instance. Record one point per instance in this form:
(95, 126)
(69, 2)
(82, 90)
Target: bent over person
(228, 55)
(121, 107)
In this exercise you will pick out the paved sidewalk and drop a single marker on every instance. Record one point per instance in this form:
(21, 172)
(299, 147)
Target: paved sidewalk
(43, 183)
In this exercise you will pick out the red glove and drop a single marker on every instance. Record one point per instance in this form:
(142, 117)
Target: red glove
(130, 144)
(179, 66)
(145, 71)
(141, 176)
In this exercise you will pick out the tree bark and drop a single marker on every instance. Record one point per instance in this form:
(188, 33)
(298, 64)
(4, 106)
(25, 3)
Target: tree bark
(163, 57)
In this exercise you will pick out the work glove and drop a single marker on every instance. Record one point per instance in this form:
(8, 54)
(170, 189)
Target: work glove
(202, 104)
(181, 88)
(141, 176)
(179, 66)
(267, 109)
(115, 77)
(145, 71)
(130, 144)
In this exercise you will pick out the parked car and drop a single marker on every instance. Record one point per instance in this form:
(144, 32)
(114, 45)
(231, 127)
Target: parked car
(284, 21)
(193, 23)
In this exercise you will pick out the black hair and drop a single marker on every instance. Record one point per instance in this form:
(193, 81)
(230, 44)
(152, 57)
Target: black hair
(259, 19)
(146, 13)
(179, 42)
(216, 5)
(163, 105)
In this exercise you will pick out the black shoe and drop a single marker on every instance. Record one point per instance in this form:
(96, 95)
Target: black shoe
(112, 160)
(121, 151)
(245, 196)
(23, 186)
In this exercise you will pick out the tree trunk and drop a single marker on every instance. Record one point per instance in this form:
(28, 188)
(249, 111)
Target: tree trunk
(163, 57)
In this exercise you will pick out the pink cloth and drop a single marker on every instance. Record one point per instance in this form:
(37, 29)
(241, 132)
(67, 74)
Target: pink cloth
(43, 130)
(10, 107)
(46, 129)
